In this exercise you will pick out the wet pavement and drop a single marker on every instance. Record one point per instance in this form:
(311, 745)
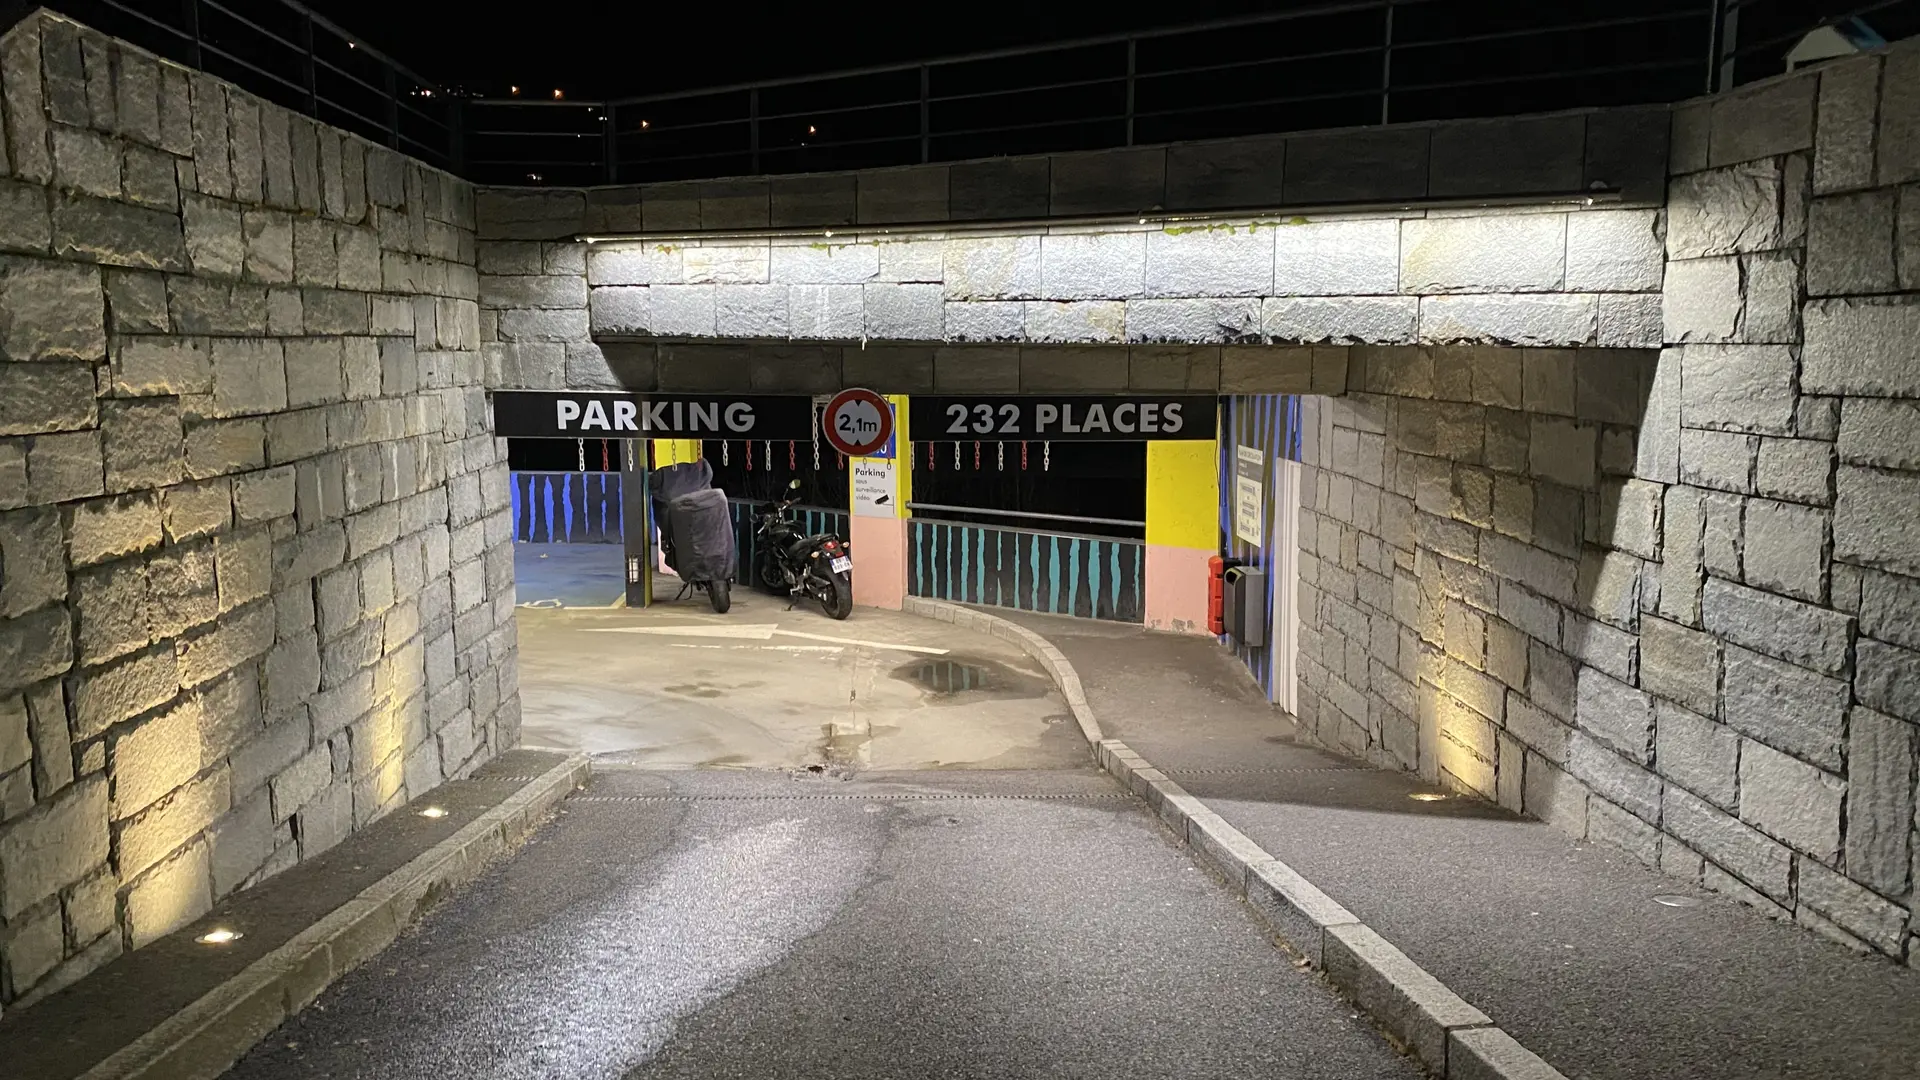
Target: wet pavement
(719, 923)
(676, 685)
(1562, 942)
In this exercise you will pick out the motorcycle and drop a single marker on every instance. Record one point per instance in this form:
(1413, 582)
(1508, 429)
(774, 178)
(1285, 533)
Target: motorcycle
(696, 530)
(795, 564)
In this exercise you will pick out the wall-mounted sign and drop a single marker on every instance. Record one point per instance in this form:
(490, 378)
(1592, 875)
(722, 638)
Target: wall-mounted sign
(857, 422)
(873, 488)
(540, 414)
(1065, 418)
(1249, 495)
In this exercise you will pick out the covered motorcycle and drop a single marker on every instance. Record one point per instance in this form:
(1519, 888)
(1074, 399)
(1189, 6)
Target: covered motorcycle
(696, 529)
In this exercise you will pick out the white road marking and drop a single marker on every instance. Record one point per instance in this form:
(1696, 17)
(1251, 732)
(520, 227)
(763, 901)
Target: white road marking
(755, 631)
(799, 648)
(687, 645)
(929, 650)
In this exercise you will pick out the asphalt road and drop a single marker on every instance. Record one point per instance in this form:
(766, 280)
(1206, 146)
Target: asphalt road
(719, 923)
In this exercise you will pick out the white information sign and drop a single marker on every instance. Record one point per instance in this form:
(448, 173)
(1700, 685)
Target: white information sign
(1249, 491)
(873, 489)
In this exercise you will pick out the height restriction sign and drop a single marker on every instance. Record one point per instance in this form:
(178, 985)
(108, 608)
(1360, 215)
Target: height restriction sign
(858, 422)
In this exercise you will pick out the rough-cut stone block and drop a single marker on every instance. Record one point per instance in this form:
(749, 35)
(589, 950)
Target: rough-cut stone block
(902, 312)
(528, 213)
(32, 553)
(64, 467)
(1232, 260)
(1797, 470)
(1850, 244)
(1698, 754)
(1889, 679)
(1738, 387)
(1680, 664)
(1197, 320)
(1764, 121)
(110, 528)
(636, 264)
(1108, 181)
(992, 268)
(1508, 156)
(1717, 459)
(916, 193)
(1004, 189)
(1614, 251)
(1368, 320)
(1810, 636)
(826, 312)
(727, 264)
(1094, 321)
(1725, 211)
(107, 695)
(1772, 283)
(1881, 433)
(820, 264)
(86, 162)
(1785, 549)
(54, 847)
(1238, 174)
(37, 398)
(1843, 153)
(1880, 799)
(1006, 320)
(25, 223)
(1359, 165)
(1790, 800)
(87, 229)
(50, 312)
(1540, 319)
(619, 310)
(1614, 778)
(1093, 266)
(1872, 518)
(142, 444)
(1703, 300)
(25, 96)
(750, 311)
(811, 200)
(1862, 347)
(1897, 149)
(1337, 258)
(1757, 860)
(1785, 706)
(1507, 253)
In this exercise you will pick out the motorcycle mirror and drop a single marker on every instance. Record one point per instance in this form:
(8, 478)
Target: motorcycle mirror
(794, 484)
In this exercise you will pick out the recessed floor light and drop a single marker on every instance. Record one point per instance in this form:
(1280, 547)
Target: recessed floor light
(434, 812)
(1425, 796)
(219, 937)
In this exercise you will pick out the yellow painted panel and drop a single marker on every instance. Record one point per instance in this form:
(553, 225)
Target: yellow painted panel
(675, 451)
(1183, 494)
(902, 459)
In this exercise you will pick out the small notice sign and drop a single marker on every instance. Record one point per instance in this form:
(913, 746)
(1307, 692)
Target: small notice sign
(1249, 495)
(873, 489)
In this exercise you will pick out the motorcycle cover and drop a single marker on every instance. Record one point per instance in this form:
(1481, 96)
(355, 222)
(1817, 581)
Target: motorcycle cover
(699, 530)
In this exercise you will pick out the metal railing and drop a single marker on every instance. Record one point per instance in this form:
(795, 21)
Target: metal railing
(287, 53)
(1320, 64)
(1026, 514)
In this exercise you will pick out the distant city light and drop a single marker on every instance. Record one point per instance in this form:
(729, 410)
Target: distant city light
(557, 95)
(535, 177)
(644, 125)
(514, 90)
(811, 129)
(351, 45)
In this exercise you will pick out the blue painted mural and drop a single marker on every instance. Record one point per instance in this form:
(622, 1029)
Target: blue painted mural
(565, 507)
(1093, 577)
(1269, 423)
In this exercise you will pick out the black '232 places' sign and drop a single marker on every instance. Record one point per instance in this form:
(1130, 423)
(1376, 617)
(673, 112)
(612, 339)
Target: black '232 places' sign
(1063, 417)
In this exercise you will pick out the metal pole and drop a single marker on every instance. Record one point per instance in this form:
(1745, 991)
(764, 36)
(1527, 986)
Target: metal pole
(1132, 69)
(190, 14)
(1717, 28)
(1386, 68)
(308, 70)
(753, 129)
(610, 142)
(926, 132)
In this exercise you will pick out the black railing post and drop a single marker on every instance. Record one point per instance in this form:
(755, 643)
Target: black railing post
(1386, 67)
(190, 16)
(753, 130)
(1716, 29)
(308, 70)
(1133, 56)
(611, 142)
(926, 130)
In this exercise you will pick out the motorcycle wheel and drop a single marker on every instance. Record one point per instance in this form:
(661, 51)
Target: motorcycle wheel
(836, 599)
(770, 579)
(721, 594)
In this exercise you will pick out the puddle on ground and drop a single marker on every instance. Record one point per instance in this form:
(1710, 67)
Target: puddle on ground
(945, 676)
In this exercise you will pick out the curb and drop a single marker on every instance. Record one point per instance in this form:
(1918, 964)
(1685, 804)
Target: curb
(1451, 1037)
(204, 1039)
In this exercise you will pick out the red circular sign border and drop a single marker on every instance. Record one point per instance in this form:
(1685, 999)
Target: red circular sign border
(857, 394)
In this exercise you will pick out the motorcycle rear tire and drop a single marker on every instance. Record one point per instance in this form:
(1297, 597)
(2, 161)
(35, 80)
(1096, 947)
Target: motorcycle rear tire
(836, 599)
(770, 579)
(721, 594)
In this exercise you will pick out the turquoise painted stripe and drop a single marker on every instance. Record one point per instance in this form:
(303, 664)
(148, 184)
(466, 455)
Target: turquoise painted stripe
(1053, 575)
(1033, 579)
(980, 565)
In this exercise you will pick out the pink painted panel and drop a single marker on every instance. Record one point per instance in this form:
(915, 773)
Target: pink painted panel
(879, 561)
(1176, 589)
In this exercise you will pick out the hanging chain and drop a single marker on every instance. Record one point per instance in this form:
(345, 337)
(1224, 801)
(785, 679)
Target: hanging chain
(791, 464)
(814, 417)
(1000, 451)
(933, 463)
(606, 451)
(1046, 456)
(840, 461)
(723, 451)
(583, 454)
(1023, 455)
(956, 455)
(976, 455)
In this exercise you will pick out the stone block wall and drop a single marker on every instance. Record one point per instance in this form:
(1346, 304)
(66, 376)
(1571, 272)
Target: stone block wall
(1545, 277)
(255, 563)
(1668, 602)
